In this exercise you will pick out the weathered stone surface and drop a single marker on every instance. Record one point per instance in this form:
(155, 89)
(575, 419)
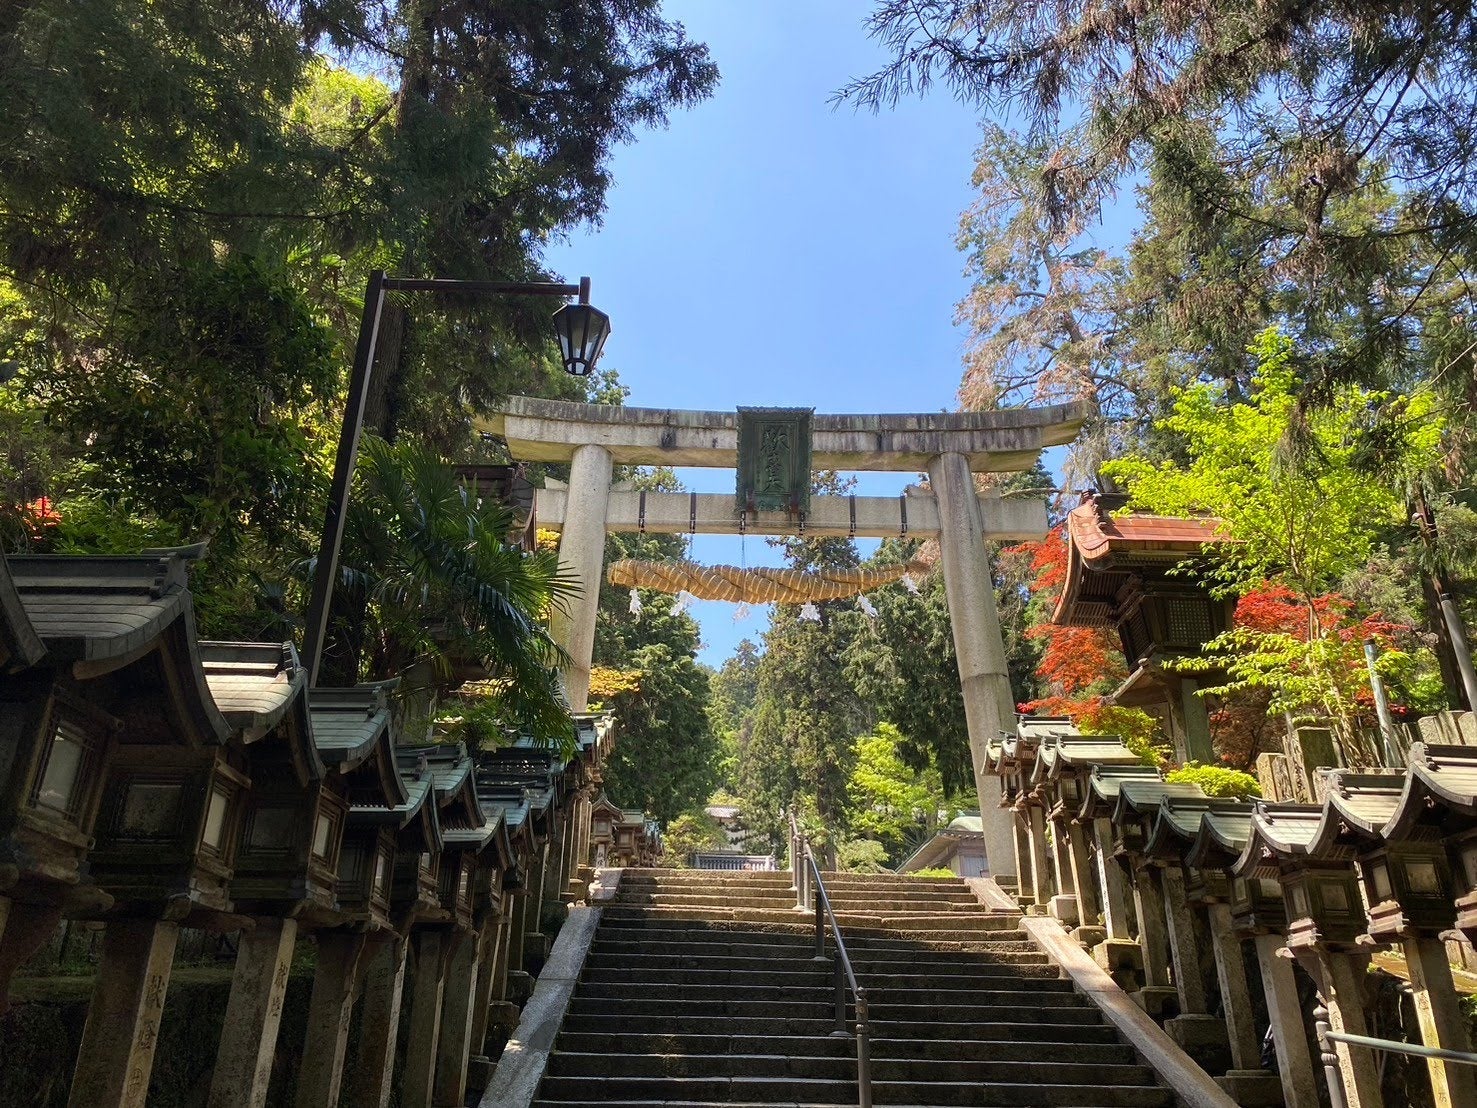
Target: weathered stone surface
(993, 442)
(671, 513)
(525, 1058)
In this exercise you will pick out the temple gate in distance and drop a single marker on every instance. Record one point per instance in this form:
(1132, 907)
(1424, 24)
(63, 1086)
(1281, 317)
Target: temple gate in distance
(949, 447)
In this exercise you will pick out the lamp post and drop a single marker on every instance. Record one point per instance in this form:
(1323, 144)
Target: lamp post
(581, 330)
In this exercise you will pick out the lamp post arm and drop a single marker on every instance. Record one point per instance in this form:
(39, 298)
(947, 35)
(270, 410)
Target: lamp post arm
(326, 568)
(504, 288)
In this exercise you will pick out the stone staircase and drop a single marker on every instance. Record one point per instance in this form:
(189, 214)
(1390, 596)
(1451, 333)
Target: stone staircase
(701, 989)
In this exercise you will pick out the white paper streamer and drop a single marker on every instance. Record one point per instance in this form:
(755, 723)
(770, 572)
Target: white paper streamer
(910, 584)
(741, 613)
(867, 607)
(685, 600)
(810, 613)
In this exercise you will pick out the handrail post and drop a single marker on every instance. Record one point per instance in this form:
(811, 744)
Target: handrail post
(820, 929)
(863, 1051)
(1332, 1072)
(840, 996)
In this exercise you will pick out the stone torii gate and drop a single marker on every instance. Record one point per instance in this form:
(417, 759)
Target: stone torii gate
(949, 447)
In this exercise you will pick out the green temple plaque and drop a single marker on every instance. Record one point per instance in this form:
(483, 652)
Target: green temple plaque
(774, 460)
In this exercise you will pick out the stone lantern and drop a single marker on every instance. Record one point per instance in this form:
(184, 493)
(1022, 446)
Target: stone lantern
(1120, 954)
(1259, 912)
(1063, 766)
(1440, 800)
(1219, 841)
(1126, 571)
(1133, 814)
(1410, 893)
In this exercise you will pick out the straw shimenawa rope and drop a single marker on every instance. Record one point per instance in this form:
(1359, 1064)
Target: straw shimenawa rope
(754, 586)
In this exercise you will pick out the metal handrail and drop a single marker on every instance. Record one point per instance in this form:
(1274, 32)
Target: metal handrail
(1337, 1094)
(809, 885)
(1466, 1058)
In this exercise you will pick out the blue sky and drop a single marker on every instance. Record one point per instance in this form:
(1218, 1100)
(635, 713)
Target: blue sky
(768, 249)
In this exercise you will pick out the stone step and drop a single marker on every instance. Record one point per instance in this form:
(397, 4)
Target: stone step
(1004, 1028)
(831, 1046)
(861, 922)
(707, 878)
(1038, 994)
(1032, 1010)
(992, 1071)
(782, 901)
(981, 955)
(789, 1089)
(606, 967)
(654, 935)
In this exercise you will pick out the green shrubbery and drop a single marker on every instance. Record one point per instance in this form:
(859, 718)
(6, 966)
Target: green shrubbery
(1215, 780)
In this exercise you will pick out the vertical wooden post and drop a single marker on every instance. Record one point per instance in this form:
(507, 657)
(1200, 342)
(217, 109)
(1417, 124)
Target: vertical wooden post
(453, 1047)
(431, 946)
(1442, 1022)
(1294, 1063)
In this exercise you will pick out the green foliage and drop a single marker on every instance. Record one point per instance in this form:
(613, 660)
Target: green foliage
(933, 871)
(441, 585)
(902, 664)
(1215, 780)
(886, 799)
(689, 833)
(666, 759)
(1288, 481)
(862, 856)
(1140, 731)
(731, 707)
(192, 196)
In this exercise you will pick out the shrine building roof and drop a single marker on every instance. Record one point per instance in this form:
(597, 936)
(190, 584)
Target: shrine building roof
(1102, 548)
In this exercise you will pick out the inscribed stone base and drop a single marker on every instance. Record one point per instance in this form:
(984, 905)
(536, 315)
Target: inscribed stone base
(1090, 937)
(1252, 1088)
(1123, 959)
(1157, 1000)
(1203, 1038)
(479, 1072)
(520, 987)
(1063, 908)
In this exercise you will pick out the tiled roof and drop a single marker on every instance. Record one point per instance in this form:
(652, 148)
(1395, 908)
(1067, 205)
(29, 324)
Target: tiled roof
(347, 722)
(254, 684)
(1106, 781)
(1104, 547)
(20, 646)
(1097, 534)
(87, 608)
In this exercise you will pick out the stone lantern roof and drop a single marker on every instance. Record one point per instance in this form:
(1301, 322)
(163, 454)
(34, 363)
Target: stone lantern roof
(1441, 788)
(20, 646)
(1105, 551)
(99, 615)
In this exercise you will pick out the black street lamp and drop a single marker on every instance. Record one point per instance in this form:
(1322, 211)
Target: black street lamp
(581, 330)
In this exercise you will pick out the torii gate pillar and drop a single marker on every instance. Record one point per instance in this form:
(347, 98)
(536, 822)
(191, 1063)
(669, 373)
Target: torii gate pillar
(983, 677)
(582, 556)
